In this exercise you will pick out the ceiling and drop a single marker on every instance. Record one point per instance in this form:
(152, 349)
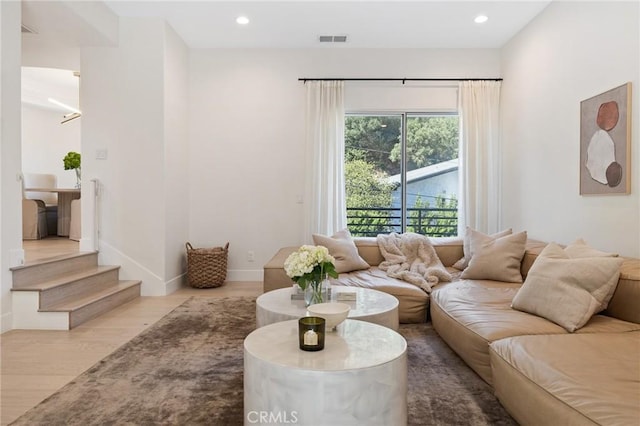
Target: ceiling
(367, 24)
(40, 84)
(279, 24)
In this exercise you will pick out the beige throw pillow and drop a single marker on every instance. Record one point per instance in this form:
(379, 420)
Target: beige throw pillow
(580, 248)
(497, 259)
(566, 290)
(343, 249)
(473, 239)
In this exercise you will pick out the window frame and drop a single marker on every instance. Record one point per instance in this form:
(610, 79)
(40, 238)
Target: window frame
(404, 116)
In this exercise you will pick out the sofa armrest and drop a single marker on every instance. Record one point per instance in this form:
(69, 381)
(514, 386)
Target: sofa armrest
(274, 275)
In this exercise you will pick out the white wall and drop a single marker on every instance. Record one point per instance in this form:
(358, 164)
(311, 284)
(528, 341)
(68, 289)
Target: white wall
(122, 93)
(11, 253)
(420, 96)
(176, 149)
(134, 108)
(246, 125)
(38, 51)
(45, 142)
(570, 52)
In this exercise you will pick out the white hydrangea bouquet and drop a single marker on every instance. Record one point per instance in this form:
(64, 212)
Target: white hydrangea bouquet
(308, 267)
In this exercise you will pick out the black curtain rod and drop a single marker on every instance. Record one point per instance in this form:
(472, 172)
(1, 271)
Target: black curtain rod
(403, 80)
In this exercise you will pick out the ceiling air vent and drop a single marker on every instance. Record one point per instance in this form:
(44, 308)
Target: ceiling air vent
(333, 39)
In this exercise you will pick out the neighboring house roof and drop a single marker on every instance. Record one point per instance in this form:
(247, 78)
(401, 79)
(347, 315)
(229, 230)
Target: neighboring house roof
(427, 172)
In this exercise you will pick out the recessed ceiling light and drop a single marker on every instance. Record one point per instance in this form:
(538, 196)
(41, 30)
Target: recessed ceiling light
(242, 20)
(480, 19)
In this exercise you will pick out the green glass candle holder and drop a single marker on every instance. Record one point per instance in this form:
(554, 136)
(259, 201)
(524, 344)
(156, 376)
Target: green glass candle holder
(311, 333)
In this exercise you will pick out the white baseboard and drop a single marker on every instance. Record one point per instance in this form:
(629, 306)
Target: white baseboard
(130, 269)
(245, 275)
(153, 285)
(176, 283)
(6, 322)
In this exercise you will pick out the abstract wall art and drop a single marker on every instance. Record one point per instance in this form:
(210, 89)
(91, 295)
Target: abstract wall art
(605, 142)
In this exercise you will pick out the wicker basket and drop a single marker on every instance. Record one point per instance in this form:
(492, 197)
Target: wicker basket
(206, 267)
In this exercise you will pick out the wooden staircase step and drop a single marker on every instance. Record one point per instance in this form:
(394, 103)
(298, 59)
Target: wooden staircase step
(61, 292)
(47, 269)
(71, 277)
(89, 306)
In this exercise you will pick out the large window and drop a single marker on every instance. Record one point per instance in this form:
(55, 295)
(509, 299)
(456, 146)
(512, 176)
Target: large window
(401, 173)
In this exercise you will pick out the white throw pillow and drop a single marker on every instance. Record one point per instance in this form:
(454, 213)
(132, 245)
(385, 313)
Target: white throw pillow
(473, 239)
(498, 259)
(566, 290)
(343, 249)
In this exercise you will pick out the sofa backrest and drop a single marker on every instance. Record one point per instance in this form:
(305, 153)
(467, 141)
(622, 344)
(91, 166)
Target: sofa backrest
(449, 249)
(624, 305)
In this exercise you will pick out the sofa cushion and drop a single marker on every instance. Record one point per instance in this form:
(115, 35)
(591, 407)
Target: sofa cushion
(497, 259)
(566, 290)
(343, 249)
(412, 301)
(470, 314)
(577, 379)
(474, 239)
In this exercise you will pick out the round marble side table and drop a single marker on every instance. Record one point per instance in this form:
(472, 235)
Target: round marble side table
(359, 378)
(370, 305)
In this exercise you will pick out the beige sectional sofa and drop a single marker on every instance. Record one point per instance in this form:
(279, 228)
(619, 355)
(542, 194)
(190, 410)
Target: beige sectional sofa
(541, 373)
(413, 301)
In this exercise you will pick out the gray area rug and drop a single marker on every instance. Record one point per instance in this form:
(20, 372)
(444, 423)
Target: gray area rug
(187, 370)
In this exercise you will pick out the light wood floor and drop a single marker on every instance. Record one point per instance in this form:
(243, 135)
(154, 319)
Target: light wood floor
(48, 247)
(35, 364)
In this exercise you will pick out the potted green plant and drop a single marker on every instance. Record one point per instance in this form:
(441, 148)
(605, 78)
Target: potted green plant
(72, 162)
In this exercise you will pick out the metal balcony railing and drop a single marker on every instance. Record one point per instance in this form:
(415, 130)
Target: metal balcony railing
(371, 221)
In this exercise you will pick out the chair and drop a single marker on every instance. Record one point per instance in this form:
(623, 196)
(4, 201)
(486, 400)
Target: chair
(34, 219)
(41, 180)
(50, 199)
(75, 229)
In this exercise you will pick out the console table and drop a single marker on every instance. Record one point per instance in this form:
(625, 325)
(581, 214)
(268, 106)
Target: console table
(359, 378)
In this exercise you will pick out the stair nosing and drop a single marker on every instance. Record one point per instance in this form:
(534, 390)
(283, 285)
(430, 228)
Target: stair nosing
(92, 298)
(67, 279)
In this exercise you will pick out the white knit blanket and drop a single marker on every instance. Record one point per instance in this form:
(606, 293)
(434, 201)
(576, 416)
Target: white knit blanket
(411, 257)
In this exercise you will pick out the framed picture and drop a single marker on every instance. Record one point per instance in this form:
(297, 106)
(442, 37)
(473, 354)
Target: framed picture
(605, 142)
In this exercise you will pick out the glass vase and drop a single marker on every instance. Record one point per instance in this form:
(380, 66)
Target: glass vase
(314, 293)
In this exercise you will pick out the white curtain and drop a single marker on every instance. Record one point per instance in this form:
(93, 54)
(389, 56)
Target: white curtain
(327, 210)
(479, 203)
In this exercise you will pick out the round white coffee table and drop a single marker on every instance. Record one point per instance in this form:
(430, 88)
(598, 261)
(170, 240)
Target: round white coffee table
(370, 305)
(359, 378)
